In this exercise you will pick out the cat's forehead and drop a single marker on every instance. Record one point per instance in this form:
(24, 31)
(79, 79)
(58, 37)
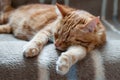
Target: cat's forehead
(81, 14)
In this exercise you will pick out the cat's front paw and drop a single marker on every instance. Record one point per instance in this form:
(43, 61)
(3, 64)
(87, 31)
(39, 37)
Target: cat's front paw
(31, 50)
(63, 64)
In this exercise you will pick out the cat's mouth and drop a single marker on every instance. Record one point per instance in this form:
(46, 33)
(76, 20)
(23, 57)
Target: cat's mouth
(60, 49)
(60, 46)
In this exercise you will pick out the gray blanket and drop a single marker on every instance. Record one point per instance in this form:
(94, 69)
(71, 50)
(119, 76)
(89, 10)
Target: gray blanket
(101, 64)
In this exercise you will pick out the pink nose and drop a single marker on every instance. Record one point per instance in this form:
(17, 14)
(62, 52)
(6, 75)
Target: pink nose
(57, 45)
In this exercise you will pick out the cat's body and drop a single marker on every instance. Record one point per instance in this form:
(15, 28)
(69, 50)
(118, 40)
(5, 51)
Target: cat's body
(76, 31)
(28, 20)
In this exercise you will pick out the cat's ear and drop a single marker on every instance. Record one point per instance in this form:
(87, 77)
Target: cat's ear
(90, 27)
(63, 9)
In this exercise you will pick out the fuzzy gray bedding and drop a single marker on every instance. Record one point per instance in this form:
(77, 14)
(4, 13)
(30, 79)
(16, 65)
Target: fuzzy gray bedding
(101, 64)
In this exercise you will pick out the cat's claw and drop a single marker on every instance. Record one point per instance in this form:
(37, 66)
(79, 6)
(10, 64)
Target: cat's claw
(62, 65)
(30, 50)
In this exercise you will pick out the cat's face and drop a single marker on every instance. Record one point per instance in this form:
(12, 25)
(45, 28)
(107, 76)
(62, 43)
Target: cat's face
(76, 28)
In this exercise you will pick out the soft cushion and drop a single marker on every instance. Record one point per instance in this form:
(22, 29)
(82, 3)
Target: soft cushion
(101, 64)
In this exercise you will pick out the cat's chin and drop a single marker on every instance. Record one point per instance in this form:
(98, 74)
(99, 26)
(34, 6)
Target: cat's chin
(60, 49)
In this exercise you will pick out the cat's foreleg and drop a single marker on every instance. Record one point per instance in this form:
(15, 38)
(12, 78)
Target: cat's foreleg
(34, 47)
(5, 28)
(68, 58)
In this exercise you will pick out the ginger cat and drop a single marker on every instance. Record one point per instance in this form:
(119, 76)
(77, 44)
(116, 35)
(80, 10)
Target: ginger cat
(76, 32)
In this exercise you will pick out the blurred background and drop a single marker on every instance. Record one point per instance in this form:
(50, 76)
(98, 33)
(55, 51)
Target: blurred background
(93, 6)
(108, 10)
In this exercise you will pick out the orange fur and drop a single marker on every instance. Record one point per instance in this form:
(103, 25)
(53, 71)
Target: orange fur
(76, 31)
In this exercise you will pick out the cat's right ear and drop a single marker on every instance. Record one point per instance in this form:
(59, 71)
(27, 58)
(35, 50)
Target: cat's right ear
(90, 26)
(63, 9)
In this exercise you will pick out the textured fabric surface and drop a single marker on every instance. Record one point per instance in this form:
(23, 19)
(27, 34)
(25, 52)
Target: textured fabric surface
(103, 64)
(8, 37)
(14, 66)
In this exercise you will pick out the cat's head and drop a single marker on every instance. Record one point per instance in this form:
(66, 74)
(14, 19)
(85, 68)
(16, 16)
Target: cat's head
(77, 27)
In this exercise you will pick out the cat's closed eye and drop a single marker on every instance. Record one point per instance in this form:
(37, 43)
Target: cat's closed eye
(55, 36)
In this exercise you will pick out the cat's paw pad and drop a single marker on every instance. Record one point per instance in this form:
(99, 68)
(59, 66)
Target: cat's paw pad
(62, 65)
(30, 50)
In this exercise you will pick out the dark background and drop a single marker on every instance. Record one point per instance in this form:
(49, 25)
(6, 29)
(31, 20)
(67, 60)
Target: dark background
(93, 6)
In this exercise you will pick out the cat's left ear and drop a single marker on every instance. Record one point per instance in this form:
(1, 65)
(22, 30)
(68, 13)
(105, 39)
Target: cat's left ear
(90, 27)
(63, 9)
